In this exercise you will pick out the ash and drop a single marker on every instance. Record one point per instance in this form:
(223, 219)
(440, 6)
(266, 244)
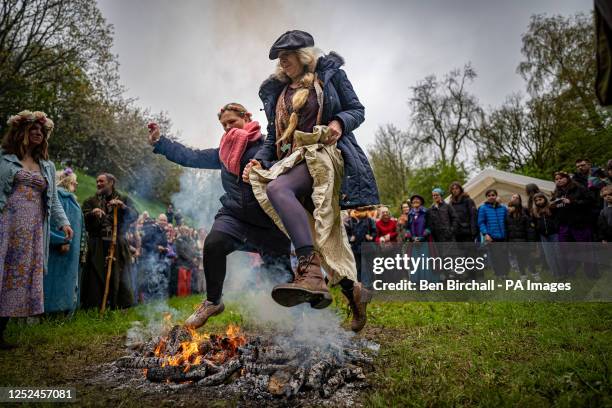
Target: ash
(256, 370)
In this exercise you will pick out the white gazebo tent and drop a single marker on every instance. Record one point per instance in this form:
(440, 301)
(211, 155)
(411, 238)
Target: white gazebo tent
(505, 183)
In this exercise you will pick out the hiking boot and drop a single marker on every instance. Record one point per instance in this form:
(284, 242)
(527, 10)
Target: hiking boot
(308, 285)
(199, 317)
(358, 300)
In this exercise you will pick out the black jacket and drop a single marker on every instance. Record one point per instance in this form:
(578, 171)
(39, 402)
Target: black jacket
(359, 228)
(577, 213)
(546, 225)
(443, 222)
(467, 216)
(519, 229)
(339, 102)
(604, 224)
(152, 236)
(238, 200)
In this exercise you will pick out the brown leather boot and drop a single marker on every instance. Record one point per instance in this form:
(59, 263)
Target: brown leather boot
(358, 300)
(200, 316)
(308, 285)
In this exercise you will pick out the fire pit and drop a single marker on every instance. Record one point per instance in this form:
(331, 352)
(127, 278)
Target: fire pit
(256, 367)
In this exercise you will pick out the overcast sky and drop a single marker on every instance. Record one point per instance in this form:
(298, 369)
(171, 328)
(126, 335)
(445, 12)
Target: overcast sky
(189, 58)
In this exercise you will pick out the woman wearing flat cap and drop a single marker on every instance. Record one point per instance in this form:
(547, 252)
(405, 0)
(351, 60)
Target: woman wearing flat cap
(310, 168)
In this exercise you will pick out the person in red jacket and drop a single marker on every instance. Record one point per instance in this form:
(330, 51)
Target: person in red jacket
(386, 227)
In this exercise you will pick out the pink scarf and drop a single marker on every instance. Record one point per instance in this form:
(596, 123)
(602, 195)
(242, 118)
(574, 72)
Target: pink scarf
(234, 143)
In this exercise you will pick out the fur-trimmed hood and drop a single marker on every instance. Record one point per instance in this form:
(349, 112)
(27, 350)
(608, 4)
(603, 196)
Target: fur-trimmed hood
(327, 65)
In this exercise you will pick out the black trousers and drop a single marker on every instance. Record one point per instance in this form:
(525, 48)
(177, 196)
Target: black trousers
(218, 245)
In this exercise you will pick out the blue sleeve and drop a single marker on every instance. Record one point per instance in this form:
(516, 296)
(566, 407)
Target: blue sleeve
(353, 112)
(482, 220)
(185, 156)
(58, 217)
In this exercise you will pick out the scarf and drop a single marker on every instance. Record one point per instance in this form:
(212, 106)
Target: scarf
(282, 119)
(234, 143)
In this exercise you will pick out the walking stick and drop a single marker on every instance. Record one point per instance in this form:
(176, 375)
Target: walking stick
(110, 259)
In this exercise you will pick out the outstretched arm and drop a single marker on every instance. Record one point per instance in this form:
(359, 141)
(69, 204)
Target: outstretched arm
(182, 155)
(186, 156)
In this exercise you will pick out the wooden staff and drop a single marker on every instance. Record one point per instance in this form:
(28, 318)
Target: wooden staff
(110, 259)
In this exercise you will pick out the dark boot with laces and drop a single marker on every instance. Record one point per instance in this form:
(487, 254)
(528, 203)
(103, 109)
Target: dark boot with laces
(308, 285)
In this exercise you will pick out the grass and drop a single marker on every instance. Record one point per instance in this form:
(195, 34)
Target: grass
(432, 354)
(87, 188)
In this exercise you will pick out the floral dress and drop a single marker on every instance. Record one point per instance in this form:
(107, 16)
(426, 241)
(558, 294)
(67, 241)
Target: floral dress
(21, 247)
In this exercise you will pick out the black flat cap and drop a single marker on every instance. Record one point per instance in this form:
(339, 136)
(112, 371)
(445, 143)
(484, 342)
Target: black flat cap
(291, 40)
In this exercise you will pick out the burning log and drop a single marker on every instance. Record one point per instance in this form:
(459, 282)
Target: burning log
(139, 362)
(204, 347)
(230, 368)
(177, 336)
(280, 367)
(167, 373)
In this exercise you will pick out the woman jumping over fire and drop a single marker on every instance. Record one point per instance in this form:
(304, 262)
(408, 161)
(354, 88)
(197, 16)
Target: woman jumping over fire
(240, 224)
(310, 167)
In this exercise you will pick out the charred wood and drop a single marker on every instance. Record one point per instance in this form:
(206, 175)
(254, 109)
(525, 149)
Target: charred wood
(139, 362)
(230, 368)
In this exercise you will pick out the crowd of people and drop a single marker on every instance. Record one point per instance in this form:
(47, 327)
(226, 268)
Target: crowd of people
(282, 190)
(56, 256)
(578, 210)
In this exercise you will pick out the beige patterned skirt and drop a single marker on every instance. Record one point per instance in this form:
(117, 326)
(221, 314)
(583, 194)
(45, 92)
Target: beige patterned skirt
(326, 167)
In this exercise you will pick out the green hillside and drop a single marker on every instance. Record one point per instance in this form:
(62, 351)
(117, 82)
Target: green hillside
(87, 188)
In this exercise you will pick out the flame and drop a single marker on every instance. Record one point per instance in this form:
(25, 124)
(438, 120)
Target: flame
(189, 354)
(161, 344)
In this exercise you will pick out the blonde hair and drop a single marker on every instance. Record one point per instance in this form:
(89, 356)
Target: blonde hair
(65, 179)
(308, 57)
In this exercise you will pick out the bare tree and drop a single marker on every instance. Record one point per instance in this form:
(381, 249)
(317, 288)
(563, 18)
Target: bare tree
(391, 157)
(445, 114)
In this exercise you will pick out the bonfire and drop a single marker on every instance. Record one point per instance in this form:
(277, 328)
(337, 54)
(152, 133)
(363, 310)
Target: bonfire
(260, 366)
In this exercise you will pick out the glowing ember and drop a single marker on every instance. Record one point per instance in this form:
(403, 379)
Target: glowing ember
(194, 349)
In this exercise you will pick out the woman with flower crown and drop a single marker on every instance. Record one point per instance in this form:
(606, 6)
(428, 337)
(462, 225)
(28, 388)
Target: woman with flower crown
(29, 211)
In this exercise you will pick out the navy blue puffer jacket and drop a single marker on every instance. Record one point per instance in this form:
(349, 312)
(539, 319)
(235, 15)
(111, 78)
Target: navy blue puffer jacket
(339, 102)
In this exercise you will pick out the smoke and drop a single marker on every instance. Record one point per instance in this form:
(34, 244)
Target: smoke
(199, 196)
(250, 289)
(156, 322)
(247, 284)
